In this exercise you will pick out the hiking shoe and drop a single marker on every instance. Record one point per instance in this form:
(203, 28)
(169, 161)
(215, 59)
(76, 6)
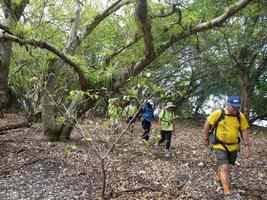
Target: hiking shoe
(146, 142)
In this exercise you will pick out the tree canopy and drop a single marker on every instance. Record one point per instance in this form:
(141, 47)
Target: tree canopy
(184, 51)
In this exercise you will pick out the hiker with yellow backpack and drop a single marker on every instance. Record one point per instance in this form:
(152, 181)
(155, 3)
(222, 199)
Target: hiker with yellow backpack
(222, 131)
(167, 127)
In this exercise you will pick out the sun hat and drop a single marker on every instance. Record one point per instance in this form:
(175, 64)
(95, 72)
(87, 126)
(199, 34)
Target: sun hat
(234, 101)
(170, 105)
(113, 100)
(150, 102)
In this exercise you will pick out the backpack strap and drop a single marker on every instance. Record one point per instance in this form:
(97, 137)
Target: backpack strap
(215, 132)
(216, 125)
(222, 118)
(219, 119)
(163, 116)
(239, 121)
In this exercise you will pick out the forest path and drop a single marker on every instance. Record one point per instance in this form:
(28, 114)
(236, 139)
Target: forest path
(32, 168)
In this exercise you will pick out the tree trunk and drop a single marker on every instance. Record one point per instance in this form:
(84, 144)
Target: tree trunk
(55, 129)
(5, 56)
(244, 92)
(11, 17)
(51, 128)
(199, 104)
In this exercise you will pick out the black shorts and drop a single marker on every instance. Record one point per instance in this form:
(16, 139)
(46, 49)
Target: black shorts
(129, 119)
(224, 157)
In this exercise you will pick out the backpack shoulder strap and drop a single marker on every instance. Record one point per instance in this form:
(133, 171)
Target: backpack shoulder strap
(237, 116)
(219, 119)
(163, 114)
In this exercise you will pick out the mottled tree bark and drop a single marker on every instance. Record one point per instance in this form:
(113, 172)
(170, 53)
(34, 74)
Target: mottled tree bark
(244, 92)
(12, 15)
(5, 57)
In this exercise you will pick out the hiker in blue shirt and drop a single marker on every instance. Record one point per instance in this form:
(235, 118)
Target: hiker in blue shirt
(147, 117)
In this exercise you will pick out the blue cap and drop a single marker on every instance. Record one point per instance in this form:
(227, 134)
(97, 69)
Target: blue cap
(234, 101)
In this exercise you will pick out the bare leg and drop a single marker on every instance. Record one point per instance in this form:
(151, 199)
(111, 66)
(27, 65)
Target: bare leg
(224, 176)
(217, 176)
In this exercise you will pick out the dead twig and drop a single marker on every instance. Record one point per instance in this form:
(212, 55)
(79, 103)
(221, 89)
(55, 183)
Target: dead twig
(10, 169)
(114, 194)
(13, 126)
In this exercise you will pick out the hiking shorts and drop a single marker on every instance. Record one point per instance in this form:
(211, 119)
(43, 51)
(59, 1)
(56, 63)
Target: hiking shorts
(223, 157)
(146, 125)
(129, 119)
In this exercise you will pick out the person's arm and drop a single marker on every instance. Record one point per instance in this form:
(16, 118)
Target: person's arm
(140, 113)
(206, 129)
(244, 126)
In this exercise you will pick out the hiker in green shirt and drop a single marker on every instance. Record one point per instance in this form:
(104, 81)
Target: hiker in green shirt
(131, 110)
(167, 126)
(114, 112)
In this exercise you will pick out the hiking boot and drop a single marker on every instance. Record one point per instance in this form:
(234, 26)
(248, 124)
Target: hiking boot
(146, 143)
(167, 153)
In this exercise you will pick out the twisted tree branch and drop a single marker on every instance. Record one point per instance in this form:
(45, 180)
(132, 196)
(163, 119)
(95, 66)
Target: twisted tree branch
(47, 46)
(201, 27)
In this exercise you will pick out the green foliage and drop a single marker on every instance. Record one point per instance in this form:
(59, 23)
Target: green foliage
(60, 120)
(195, 68)
(78, 95)
(16, 2)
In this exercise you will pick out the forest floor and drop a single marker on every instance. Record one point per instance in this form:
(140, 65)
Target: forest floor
(33, 168)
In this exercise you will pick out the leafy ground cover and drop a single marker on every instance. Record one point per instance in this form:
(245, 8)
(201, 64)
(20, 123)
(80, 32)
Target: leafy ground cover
(32, 168)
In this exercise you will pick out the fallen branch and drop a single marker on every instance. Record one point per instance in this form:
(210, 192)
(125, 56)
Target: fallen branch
(14, 126)
(10, 169)
(113, 194)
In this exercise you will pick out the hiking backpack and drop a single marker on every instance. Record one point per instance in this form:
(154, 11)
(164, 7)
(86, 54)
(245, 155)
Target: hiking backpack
(213, 131)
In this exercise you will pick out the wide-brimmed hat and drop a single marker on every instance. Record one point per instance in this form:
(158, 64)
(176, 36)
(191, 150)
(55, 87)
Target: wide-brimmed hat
(150, 102)
(113, 100)
(170, 105)
(234, 101)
